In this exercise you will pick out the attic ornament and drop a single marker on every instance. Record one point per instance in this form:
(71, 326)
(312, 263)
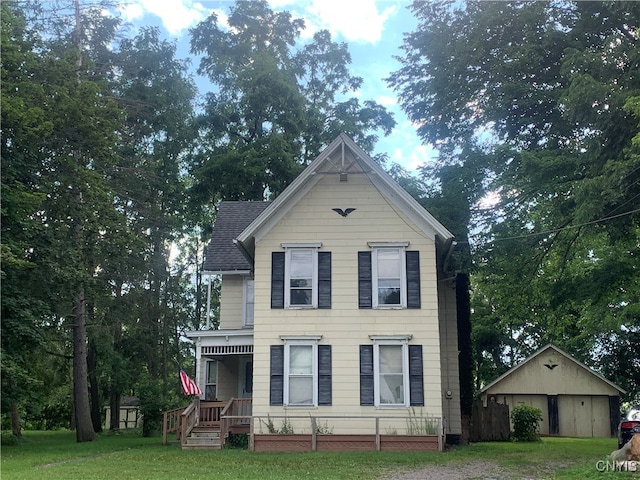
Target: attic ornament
(344, 212)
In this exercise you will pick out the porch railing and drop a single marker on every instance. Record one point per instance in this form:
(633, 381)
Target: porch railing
(171, 424)
(189, 419)
(210, 413)
(182, 421)
(236, 411)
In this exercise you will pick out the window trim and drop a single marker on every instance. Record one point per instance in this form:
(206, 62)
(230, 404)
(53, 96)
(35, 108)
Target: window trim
(288, 249)
(400, 247)
(403, 342)
(206, 379)
(307, 342)
(245, 287)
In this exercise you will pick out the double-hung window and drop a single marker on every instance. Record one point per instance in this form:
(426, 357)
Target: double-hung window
(248, 303)
(301, 276)
(301, 279)
(301, 374)
(389, 277)
(391, 372)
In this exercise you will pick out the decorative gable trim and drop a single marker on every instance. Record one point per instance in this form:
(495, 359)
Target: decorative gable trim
(405, 203)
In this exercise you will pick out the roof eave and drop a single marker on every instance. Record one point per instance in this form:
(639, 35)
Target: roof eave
(308, 177)
(561, 352)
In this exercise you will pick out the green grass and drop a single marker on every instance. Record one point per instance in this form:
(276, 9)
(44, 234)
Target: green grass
(56, 455)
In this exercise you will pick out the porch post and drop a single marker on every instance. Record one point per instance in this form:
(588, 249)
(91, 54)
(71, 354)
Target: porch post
(198, 364)
(208, 317)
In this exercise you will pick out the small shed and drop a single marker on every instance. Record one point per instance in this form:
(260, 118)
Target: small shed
(575, 401)
(130, 416)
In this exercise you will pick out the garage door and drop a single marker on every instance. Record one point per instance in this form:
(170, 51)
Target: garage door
(583, 416)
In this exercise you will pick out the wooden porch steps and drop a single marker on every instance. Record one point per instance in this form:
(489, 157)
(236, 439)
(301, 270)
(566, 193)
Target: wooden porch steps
(203, 438)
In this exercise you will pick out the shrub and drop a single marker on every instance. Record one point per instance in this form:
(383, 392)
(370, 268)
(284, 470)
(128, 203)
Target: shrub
(525, 423)
(238, 441)
(9, 439)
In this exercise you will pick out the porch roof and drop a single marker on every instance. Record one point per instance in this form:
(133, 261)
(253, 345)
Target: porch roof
(223, 342)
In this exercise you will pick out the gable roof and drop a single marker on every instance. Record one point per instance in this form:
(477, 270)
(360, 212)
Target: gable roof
(540, 352)
(232, 218)
(332, 161)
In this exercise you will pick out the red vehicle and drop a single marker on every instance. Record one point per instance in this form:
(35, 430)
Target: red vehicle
(629, 427)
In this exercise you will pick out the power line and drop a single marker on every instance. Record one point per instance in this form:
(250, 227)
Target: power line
(556, 230)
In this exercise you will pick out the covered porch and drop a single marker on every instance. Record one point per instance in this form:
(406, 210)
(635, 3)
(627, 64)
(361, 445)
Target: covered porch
(224, 363)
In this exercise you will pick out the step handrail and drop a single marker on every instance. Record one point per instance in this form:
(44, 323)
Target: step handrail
(189, 419)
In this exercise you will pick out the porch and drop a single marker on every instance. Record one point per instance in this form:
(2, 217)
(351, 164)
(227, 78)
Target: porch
(205, 425)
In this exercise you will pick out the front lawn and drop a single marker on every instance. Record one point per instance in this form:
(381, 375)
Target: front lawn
(56, 455)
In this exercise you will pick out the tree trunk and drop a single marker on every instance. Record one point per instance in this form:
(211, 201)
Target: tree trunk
(114, 407)
(94, 390)
(84, 426)
(15, 420)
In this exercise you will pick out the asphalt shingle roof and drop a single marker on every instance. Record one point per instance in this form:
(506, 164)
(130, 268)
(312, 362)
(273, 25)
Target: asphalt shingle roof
(232, 218)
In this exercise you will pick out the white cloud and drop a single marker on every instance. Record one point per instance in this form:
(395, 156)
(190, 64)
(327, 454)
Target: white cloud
(405, 148)
(413, 156)
(387, 101)
(354, 20)
(176, 15)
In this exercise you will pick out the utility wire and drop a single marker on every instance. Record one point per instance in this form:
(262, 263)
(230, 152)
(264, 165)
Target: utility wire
(556, 230)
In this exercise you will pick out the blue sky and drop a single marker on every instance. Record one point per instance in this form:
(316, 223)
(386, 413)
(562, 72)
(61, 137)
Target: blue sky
(373, 29)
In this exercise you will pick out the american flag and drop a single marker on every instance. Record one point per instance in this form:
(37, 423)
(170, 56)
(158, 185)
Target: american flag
(189, 387)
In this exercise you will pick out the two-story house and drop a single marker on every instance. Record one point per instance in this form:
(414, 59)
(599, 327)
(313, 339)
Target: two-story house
(337, 312)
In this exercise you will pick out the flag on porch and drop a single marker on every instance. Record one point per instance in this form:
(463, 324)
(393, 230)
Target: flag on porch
(189, 387)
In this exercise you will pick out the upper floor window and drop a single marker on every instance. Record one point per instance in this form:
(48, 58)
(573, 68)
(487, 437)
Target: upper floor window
(248, 304)
(301, 280)
(389, 276)
(301, 276)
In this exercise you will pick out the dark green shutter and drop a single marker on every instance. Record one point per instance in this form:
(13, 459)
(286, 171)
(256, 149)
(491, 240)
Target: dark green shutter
(365, 284)
(277, 280)
(366, 374)
(324, 375)
(416, 378)
(413, 278)
(324, 279)
(276, 387)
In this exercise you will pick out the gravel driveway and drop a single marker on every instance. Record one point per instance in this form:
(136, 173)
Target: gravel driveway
(480, 469)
